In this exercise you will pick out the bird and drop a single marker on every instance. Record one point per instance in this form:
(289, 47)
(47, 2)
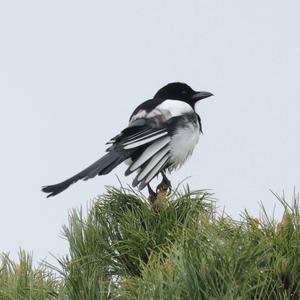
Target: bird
(161, 135)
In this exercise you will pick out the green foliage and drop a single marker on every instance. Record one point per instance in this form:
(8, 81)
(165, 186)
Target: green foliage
(124, 249)
(20, 281)
(118, 237)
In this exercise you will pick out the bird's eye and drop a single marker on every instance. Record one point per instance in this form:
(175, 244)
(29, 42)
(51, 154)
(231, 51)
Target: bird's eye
(183, 92)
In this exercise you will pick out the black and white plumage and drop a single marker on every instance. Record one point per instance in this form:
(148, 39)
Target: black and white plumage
(161, 135)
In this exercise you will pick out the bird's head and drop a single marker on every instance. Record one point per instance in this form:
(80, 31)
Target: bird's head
(181, 91)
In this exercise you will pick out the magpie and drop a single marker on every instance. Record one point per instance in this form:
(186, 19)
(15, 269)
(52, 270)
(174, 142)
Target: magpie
(161, 135)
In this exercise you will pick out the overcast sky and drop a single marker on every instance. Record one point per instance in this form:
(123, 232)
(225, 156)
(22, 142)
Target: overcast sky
(71, 73)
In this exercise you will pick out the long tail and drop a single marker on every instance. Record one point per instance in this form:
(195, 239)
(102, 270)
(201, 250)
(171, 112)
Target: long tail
(102, 166)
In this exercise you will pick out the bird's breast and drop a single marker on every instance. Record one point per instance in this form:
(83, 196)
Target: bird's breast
(183, 143)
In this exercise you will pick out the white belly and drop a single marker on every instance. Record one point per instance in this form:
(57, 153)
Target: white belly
(182, 144)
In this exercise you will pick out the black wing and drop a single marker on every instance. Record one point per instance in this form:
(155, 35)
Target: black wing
(129, 143)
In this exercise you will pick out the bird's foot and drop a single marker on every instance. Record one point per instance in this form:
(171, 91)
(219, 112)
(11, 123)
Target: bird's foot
(163, 190)
(165, 186)
(159, 199)
(152, 195)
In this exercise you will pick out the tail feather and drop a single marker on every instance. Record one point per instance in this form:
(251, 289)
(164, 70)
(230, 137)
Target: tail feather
(102, 166)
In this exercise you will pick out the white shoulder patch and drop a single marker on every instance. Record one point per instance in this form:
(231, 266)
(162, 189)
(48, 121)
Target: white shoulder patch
(139, 115)
(172, 108)
(168, 109)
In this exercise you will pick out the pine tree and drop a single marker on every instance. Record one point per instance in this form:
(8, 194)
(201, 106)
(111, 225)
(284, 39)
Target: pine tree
(182, 249)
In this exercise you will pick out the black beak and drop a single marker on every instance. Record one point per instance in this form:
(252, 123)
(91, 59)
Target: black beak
(201, 95)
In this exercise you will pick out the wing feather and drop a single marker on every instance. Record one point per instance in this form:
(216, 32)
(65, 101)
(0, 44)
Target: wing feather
(154, 171)
(137, 134)
(141, 137)
(152, 163)
(143, 141)
(149, 152)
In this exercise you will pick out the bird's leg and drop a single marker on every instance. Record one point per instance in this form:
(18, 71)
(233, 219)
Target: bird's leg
(152, 194)
(165, 185)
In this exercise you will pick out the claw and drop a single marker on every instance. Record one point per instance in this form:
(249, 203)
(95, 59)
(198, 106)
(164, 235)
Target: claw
(165, 186)
(162, 188)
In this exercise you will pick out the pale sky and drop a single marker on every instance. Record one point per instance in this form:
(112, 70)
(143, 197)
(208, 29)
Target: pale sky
(72, 72)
